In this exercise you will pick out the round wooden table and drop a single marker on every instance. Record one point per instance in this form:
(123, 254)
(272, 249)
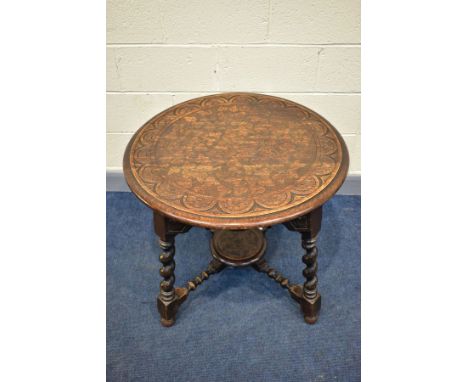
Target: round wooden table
(236, 163)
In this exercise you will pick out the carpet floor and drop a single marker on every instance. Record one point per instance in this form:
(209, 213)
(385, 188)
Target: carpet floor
(239, 325)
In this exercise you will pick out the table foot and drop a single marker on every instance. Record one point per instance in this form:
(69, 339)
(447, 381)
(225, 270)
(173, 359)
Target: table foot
(310, 307)
(168, 309)
(167, 323)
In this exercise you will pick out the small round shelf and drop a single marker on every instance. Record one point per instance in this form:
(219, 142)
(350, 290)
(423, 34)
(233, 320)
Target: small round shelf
(238, 248)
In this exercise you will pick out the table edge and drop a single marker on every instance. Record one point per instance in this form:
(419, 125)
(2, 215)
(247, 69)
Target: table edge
(239, 223)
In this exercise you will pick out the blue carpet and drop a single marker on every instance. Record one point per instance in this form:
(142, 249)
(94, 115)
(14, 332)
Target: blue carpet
(239, 325)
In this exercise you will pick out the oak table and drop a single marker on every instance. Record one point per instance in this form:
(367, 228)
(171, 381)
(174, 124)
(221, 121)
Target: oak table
(236, 163)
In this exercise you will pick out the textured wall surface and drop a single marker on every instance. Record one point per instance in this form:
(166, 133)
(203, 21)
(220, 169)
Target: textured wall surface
(162, 52)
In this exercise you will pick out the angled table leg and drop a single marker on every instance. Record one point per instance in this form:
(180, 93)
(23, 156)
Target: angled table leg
(307, 295)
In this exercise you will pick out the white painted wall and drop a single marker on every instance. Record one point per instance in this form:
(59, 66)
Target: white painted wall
(161, 52)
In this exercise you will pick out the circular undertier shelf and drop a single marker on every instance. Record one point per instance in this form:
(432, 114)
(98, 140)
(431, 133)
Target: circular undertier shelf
(238, 248)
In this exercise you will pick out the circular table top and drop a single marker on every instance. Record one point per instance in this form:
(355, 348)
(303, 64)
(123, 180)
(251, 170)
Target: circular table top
(235, 161)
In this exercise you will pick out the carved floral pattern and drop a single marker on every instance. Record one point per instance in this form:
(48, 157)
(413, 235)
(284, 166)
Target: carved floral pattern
(235, 155)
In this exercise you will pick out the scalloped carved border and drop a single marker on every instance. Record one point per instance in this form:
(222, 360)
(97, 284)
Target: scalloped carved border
(324, 170)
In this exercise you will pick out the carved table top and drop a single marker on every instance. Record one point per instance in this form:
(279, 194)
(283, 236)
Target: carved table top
(235, 160)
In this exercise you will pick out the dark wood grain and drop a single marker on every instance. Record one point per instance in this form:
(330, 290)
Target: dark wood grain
(238, 248)
(169, 298)
(307, 295)
(236, 161)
